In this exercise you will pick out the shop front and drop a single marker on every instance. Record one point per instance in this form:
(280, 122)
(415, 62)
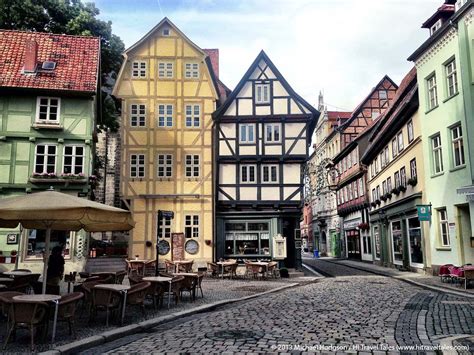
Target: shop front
(352, 236)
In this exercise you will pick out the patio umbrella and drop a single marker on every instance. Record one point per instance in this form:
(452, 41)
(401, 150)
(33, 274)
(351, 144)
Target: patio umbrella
(51, 210)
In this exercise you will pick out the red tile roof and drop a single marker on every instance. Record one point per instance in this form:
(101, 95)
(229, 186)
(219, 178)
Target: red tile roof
(76, 57)
(214, 57)
(334, 115)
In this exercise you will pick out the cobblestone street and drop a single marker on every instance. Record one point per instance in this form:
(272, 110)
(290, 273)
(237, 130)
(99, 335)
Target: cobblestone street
(354, 308)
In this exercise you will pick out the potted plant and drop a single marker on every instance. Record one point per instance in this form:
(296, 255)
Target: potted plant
(395, 191)
(412, 181)
(383, 198)
(208, 242)
(378, 202)
(402, 188)
(388, 195)
(373, 204)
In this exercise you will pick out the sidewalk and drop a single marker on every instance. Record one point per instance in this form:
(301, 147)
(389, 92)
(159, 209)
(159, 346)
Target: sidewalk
(432, 282)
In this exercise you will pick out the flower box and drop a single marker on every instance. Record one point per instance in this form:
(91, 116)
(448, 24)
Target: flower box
(395, 191)
(383, 198)
(402, 188)
(388, 195)
(412, 181)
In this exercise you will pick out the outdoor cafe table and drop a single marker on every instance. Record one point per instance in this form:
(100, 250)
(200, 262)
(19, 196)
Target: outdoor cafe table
(122, 289)
(223, 264)
(180, 262)
(140, 262)
(5, 279)
(16, 273)
(43, 298)
(161, 279)
(262, 264)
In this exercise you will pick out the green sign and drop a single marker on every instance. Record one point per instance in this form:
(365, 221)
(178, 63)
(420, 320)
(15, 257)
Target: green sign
(424, 212)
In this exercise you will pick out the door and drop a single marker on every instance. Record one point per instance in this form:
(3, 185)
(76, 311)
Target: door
(353, 244)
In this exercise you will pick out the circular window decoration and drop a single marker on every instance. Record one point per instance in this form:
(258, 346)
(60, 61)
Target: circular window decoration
(163, 247)
(191, 247)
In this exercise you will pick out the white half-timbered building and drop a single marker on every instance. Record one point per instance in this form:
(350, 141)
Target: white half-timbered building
(262, 137)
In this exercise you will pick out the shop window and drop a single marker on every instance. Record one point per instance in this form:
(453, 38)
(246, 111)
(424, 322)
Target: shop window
(37, 243)
(247, 238)
(377, 242)
(414, 234)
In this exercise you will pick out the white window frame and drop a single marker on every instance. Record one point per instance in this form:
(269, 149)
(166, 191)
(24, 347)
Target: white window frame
(74, 157)
(138, 165)
(444, 238)
(437, 154)
(400, 143)
(48, 106)
(191, 224)
(451, 78)
(163, 163)
(262, 93)
(191, 70)
(165, 70)
(389, 184)
(435, 27)
(164, 116)
(192, 169)
(403, 176)
(272, 127)
(46, 155)
(139, 69)
(457, 145)
(411, 135)
(413, 172)
(164, 227)
(270, 168)
(248, 167)
(137, 118)
(247, 127)
(432, 91)
(191, 117)
(361, 187)
(394, 147)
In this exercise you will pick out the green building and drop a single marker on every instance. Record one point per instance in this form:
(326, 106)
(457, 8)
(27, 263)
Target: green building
(48, 86)
(445, 66)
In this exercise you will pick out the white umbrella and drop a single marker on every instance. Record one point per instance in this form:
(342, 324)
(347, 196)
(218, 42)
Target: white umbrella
(51, 210)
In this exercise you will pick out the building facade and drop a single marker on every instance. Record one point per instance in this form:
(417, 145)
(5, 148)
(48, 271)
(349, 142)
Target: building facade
(169, 91)
(262, 137)
(322, 199)
(48, 91)
(445, 78)
(396, 183)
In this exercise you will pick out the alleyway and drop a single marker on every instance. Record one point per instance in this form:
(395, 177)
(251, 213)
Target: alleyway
(354, 308)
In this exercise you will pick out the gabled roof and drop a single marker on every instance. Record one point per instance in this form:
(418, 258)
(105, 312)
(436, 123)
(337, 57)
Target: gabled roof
(360, 107)
(444, 12)
(76, 58)
(394, 116)
(263, 56)
(167, 21)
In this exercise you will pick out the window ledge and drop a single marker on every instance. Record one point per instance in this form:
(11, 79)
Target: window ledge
(47, 126)
(457, 168)
(57, 180)
(450, 97)
(436, 175)
(431, 109)
(443, 248)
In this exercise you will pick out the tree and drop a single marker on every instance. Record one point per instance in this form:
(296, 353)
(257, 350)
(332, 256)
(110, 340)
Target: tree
(74, 18)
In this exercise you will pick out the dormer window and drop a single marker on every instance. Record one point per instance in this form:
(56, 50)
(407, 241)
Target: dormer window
(459, 4)
(435, 27)
(166, 32)
(48, 65)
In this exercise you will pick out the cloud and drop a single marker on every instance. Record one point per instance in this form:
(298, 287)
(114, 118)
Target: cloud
(343, 47)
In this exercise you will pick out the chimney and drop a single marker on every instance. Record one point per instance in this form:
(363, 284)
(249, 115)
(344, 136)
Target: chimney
(214, 57)
(31, 54)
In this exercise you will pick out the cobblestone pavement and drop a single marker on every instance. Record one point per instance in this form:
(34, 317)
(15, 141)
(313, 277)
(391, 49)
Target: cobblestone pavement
(353, 311)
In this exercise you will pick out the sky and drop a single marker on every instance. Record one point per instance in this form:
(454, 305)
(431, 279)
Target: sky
(340, 47)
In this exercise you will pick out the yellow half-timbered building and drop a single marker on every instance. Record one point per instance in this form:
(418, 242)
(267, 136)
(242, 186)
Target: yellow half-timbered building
(168, 89)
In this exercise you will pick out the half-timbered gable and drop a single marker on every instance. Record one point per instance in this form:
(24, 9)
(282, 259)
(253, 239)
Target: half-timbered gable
(262, 136)
(371, 107)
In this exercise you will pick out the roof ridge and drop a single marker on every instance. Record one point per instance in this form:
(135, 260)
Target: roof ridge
(50, 34)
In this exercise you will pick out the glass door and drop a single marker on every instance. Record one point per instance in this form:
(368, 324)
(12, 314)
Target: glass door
(414, 236)
(397, 242)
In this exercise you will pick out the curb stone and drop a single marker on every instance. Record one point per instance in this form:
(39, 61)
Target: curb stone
(407, 280)
(449, 342)
(89, 342)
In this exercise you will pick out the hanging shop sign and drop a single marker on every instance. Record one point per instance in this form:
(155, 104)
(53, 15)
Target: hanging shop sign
(424, 212)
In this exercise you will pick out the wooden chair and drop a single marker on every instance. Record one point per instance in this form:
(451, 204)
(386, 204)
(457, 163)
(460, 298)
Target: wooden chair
(169, 266)
(150, 266)
(468, 277)
(199, 282)
(185, 267)
(26, 315)
(137, 294)
(103, 299)
(213, 269)
(188, 284)
(67, 309)
(120, 276)
(273, 270)
(6, 300)
(176, 287)
(134, 279)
